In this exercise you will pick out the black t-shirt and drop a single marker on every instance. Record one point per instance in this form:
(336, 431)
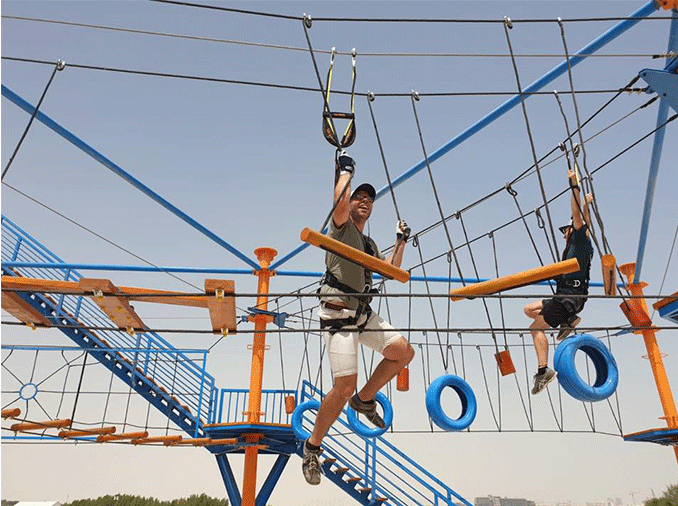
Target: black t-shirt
(579, 247)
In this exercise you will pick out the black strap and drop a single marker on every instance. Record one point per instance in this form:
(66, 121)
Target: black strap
(339, 323)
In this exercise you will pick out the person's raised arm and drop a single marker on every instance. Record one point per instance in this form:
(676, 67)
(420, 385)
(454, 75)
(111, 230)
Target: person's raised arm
(402, 234)
(575, 201)
(345, 167)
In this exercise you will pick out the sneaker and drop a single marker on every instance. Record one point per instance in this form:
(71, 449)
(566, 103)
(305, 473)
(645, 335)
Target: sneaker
(541, 380)
(567, 328)
(369, 409)
(311, 465)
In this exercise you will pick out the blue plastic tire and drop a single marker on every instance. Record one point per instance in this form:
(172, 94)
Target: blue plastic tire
(466, 396)
(363, 430)
(297, 418)
(607, 374)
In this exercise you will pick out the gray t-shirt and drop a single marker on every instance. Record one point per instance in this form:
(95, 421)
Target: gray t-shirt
(347, 272)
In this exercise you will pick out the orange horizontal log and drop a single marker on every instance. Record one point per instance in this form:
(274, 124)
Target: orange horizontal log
(47, 424)
(72, 287)
(374, 264)
(516, 280)
(122, 436)
(40, 285)
(666, 301)
(11, 412)
(86, 432)
(199, 441)
(215, 442)
(157, 439)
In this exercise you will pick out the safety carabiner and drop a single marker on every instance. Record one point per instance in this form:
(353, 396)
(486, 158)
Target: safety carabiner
(329, 130)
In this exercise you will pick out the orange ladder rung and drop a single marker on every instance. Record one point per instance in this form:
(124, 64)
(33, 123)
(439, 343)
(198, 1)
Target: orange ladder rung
(122, 436)
(517, 280)
(47, 424)
(11, 412)
(64, 434)
(361, 258)
(157, 439)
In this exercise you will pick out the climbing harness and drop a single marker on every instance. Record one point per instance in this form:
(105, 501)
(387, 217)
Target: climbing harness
(329, 130)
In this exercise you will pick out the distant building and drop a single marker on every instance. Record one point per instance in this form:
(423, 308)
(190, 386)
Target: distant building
(501, 501)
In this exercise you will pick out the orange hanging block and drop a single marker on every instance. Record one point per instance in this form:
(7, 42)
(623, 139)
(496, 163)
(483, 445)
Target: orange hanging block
(517, 280)
(11, 412)
(122, 436)
(64, 434)
(290, 404)
(403, 382)
(361, 258)
(20, 427)
(221, 304)
(505, 363)
(608, 263)
(116, 308)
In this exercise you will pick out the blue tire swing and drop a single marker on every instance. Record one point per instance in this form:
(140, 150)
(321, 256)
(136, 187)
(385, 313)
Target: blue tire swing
(466, 396)
(363, 430)
(297, 418)
(607, 374)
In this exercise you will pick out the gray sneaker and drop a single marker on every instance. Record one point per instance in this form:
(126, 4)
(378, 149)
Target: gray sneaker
(311, 465)
(541, 380)
(369, 409)
(567, 328)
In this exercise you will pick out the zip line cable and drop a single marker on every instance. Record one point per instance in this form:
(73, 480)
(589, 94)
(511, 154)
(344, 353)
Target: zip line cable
(288, 330)
(401, 20)
(326, 51)
(298, 88)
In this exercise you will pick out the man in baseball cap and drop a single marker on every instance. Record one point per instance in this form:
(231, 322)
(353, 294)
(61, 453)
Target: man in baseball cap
(347, 320)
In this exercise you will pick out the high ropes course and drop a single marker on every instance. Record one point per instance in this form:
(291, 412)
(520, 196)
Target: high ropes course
(158, 385)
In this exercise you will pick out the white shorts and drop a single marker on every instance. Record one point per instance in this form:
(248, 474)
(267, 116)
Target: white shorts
(342, 346)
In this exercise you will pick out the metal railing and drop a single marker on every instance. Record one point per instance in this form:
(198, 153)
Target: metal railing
(233, 405)
(383, 467)
(174, 372)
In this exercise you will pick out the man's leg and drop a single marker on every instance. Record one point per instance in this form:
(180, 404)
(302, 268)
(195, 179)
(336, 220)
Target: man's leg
(396, 357)
(544, 375)
(331, 406)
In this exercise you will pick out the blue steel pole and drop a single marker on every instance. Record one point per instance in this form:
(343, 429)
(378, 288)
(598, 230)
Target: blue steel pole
(662, 114)
(70, 137)
(576, 58)
(547, 78)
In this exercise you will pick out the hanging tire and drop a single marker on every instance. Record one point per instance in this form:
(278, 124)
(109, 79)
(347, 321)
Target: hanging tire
(363, 430)
(607, 374)
(297, 418)
(466, 396)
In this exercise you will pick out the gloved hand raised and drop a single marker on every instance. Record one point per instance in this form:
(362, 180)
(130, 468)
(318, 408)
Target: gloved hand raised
(402, 231)
(344, 163)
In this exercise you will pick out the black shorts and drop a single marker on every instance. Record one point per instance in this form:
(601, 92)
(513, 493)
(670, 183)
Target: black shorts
(559, 311)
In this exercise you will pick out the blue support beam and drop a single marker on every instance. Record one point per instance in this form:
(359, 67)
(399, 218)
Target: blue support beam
(547, 78)
(229, 480)
(662, 114)
(271, 480)
(76, 141)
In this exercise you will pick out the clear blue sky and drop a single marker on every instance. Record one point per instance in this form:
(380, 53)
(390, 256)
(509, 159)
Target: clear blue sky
(250, 164)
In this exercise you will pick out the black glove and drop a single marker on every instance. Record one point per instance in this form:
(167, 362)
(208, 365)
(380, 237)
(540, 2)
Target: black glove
(344, 163)
(402, 231)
